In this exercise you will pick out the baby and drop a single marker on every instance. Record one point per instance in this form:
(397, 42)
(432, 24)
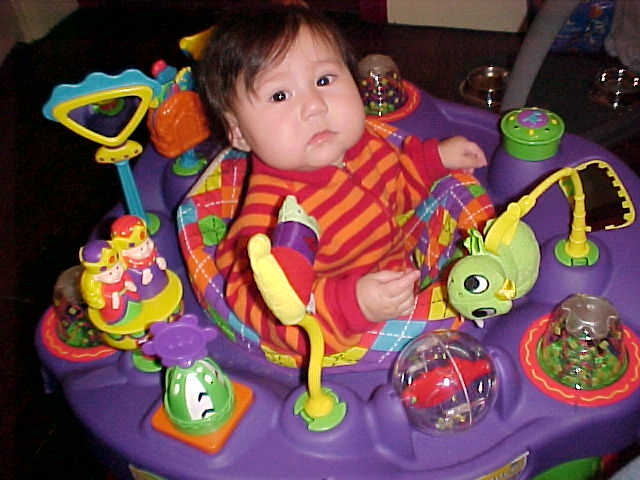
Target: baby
(280, 83)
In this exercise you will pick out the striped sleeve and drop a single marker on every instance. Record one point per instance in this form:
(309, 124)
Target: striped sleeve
(422, 163)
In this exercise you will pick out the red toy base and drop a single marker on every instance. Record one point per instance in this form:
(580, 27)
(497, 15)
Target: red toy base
(615, 392)
(60, 349)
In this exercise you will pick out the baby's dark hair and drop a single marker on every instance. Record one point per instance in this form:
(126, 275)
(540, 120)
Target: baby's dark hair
(242, 45)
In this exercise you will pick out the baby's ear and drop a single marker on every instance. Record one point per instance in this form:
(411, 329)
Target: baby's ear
(234, 133)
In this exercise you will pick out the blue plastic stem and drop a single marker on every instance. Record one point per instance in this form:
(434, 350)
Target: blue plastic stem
(131, 196)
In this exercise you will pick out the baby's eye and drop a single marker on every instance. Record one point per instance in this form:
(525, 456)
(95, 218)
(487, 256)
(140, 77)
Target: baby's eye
(325, 80)
(279, 96)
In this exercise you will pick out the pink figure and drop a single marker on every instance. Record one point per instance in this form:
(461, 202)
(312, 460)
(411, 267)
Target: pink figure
(106, 285)
(130, 237)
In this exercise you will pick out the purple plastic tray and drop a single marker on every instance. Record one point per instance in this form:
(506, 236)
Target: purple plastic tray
(526, 432)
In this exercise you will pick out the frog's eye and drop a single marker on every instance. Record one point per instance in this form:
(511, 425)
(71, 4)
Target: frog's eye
(476, 284)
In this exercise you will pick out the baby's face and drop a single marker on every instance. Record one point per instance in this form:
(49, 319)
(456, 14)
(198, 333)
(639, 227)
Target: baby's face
(304, 112)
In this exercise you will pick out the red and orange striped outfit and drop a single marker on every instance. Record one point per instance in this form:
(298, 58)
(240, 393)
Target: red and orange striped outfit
(357, 208)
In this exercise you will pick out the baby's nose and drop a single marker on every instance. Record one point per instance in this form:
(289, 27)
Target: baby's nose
(313, 104)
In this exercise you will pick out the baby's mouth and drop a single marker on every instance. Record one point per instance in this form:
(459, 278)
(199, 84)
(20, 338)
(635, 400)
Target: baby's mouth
(321, 137)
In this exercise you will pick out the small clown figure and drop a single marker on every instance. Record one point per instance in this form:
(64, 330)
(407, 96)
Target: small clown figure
(106, 285)
(131, 239)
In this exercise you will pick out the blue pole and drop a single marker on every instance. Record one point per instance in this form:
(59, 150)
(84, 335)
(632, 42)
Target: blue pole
(131, 196)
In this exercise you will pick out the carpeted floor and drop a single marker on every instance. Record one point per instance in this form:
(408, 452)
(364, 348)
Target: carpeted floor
(54, 193)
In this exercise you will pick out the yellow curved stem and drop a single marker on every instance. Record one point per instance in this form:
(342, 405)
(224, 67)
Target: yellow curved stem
(283, 301)
(503, 228)
(319, 403)
(577, 246)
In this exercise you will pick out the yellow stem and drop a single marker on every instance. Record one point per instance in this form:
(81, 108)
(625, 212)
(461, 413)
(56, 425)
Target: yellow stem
(503, 228)
(319, 403)
(577, 246)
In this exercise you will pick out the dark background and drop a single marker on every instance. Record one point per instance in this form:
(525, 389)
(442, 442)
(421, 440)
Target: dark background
(53, 193)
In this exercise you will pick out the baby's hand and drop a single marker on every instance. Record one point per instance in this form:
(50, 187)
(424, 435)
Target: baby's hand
(386, 294)
(458, 152)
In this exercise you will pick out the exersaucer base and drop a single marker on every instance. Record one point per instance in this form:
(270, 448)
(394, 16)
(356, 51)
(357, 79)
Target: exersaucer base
(526, 432)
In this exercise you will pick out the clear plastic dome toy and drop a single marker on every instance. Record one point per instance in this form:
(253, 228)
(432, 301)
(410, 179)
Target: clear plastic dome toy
(445, 380)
